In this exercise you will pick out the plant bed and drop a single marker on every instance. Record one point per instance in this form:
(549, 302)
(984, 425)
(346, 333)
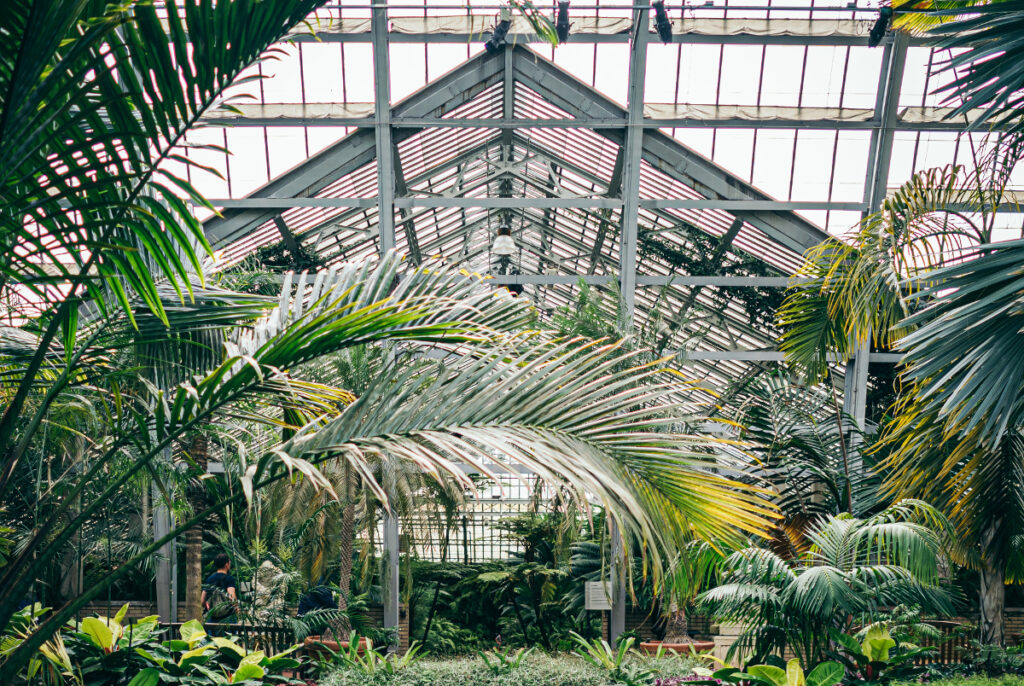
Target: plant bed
(535, 669)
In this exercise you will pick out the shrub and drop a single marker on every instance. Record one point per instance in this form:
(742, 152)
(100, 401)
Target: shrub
(971, 681)
(535, 670)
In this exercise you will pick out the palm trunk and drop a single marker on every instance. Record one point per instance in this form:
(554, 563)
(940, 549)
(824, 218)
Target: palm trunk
(992, 592)
(677, 627)
(194, 541)
(348, 532)
(992, 601)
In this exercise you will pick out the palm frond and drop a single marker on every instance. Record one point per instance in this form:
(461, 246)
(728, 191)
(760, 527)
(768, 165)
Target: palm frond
(987, 62)
(966, 359)
(863, 287)
(561, 411)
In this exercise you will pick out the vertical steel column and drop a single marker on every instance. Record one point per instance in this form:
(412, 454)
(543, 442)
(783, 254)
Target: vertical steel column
(382, 126)
(886, 113)
(617, 616)
(507, 104)
(631, 155)
(386, 226)
(890, 82)
(631, 167)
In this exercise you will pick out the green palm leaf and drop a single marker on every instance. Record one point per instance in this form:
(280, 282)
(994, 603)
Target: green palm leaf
(967, 357)
(863, 287)
(987, 44)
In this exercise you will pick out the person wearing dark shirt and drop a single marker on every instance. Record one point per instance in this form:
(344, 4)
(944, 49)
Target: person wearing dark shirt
(316, 598)
(221, 579)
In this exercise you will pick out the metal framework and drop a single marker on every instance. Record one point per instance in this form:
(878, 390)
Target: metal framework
(598, 191)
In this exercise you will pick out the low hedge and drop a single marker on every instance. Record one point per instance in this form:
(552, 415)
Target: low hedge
(536, 670)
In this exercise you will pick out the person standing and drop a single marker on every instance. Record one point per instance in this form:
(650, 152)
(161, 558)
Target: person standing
(220, 592)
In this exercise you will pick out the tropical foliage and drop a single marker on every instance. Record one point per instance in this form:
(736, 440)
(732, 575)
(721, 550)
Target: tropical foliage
(112, 262)
(852, 570)
(132, 362)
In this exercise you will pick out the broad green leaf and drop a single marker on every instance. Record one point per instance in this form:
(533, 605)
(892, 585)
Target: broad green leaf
(877, 643)
(794, 673)
(192, 631)
(848, 642)
(252, 658)
(227, 643)
(150, 676)
(98, 632)
(192, 655)
(247, 671)
(769, 674)
(826, 674)
(119, 617)
(149, 656)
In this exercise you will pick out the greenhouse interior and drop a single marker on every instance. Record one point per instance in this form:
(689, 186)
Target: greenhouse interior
(512, 343)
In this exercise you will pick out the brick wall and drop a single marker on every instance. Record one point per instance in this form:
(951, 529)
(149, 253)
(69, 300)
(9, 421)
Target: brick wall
(643, 623)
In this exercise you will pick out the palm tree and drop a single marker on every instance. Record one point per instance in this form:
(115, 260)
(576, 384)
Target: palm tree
(853, 569)
(922, 276)
(101, 231)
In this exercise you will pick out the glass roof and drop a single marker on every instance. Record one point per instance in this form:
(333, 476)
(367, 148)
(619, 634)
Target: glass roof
(773, 104)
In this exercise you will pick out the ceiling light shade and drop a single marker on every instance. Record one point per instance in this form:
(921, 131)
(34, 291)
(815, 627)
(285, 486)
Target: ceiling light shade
(562, 21)
(661, 21)
(503, 246)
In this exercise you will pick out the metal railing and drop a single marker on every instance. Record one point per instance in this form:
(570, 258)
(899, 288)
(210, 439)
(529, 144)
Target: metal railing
(269, 639)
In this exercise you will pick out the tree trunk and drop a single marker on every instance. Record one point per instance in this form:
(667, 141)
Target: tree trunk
(348, 533)
(677, 627)
(194, 539)
(992, 591)
(991, 603)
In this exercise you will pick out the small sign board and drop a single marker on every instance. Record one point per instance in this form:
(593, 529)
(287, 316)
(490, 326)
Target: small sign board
(598, 595)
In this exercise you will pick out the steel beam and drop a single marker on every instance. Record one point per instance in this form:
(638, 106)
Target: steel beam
(699, 30)
(390, 575)
(668, 155)
(167, 559)
(382, 127)
(651, 280)
(292, 114)
(614, 191)
(408, 222)
(358, 149)
(738, 206)
(632, 153)
(617, 616)
(886, 114)
(890, 82)
(287, 236)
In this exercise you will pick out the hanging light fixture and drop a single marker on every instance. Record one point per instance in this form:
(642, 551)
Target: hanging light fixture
(500, 32)
(661, 21)
(503, 251)
(562, 21)
(503, 245)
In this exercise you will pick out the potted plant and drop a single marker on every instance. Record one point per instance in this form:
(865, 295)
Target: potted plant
(695, 566)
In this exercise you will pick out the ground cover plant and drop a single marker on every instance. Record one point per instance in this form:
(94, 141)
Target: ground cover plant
(536, 669)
